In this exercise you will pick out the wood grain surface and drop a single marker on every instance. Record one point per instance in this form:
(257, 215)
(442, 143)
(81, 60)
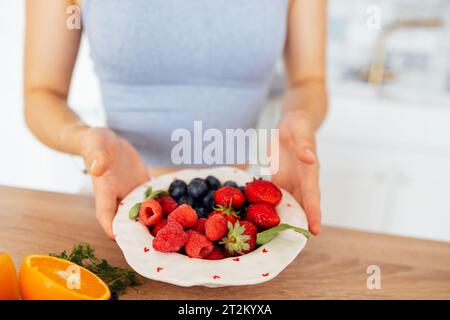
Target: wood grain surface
(332, 266)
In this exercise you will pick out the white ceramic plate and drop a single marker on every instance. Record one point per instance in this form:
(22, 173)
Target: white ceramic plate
(261, 265)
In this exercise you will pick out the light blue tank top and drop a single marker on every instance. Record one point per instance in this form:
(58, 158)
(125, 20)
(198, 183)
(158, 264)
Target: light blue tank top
(162, 64)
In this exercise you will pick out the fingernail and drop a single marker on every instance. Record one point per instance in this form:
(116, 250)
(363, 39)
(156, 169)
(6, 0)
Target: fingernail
(94, 163)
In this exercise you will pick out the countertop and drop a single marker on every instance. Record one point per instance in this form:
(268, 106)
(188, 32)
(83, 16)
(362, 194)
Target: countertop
(332, 266)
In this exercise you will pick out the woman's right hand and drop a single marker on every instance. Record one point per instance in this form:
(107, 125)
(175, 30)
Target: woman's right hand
(116, 169)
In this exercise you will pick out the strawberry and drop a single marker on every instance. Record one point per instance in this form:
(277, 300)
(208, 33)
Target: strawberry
(229, 197)
(198, 246)
(216, 254)
(161, 224)
(168, 204)
(200, 226)
(184, 215)
(263, 216)
(170, 238)
(263, 191)
(150, 212)
(216, 227)
(228, 212)
(241, 238)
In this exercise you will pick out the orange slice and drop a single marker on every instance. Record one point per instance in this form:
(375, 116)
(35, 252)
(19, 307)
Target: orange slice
(44, 277)
(9, 289)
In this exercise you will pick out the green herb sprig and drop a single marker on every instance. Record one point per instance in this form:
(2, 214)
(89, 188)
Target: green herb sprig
(117, 279)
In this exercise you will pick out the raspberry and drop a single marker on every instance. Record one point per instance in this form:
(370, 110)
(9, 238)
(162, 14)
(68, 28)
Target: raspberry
(216, 227)
(170, 238)
(150, 212)
(161, 224)
(200, 226)
(198, 246)
(168, 204)
(216, 254)
(184, 215)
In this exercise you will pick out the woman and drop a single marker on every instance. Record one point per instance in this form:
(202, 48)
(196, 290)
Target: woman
(163, 64)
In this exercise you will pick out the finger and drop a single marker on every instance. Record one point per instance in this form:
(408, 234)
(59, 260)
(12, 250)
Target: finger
(97, 161)
(105, 209)
(97, 156)
(310, 194)
(304, 145)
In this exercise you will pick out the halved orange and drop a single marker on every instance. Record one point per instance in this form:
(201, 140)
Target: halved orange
(9, 288)
(44, 277)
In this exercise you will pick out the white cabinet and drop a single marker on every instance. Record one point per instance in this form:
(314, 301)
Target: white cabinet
(422, 197)
(386, 166)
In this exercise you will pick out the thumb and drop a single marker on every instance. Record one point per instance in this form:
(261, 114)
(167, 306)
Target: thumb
(97, 153)
(97, 162)
(304, 146)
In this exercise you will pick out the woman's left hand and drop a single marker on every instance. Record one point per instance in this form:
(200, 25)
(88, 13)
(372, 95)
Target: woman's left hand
(299, 166)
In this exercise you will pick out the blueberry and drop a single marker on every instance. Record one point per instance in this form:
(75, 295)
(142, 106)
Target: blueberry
(197, 188)
(213, 182)
(242, 189)
(230, 183)
(177, 189)
(201, 212)
(185, 200)
(207, 201)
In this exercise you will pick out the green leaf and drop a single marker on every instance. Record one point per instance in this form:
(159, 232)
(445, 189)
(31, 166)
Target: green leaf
(148, 192)
(267, 235)
(134, 211)
(159, 193)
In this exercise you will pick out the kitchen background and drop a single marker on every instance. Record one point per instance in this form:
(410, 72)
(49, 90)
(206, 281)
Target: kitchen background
(384, 148)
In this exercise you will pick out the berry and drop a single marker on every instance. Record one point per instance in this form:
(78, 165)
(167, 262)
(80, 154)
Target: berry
(168, 204)
(207, 201)
(216, 227)
(186, 200)
(150, 212)
(263, 216)
(200, 226)
(241, 238)
(263, 191)
(197, 188)
(177, 189)
(201, 212)
(227, 196)
(216, 254)
(198, 246)
(228, 212)
(184, 215)
(171, 238)
(230, 183)
(212, 182)
(161, 224)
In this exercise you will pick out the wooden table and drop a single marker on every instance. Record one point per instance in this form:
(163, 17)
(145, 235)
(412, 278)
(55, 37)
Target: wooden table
(332, 266)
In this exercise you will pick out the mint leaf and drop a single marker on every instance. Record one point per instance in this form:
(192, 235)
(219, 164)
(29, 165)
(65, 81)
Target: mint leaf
(269, 234)
(148, 192)
(158, 193)
(134, 211)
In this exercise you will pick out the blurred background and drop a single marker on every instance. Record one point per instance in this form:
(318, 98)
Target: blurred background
(385, 145)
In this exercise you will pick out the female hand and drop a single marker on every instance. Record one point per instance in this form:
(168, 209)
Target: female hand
(115, 168)
(299, 167)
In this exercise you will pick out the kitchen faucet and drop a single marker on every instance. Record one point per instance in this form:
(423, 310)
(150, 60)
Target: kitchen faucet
(378, 73)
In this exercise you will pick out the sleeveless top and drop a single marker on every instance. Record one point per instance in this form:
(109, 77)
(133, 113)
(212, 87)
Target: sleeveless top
(163, 64)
